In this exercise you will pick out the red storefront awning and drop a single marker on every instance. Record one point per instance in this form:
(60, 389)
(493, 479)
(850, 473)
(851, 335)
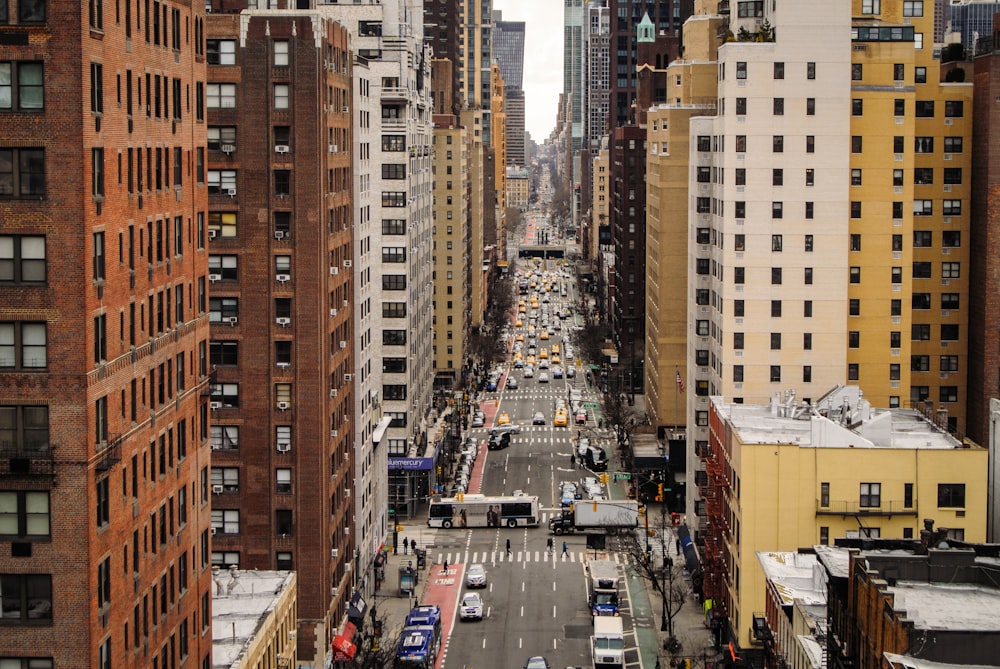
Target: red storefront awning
(343, 644)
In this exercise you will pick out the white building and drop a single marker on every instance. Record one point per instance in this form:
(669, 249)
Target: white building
(768, 217)
(392, 275)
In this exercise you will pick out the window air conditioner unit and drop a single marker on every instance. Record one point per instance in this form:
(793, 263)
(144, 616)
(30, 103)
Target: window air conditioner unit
(334, 591)
(231, 192)
(228, 148)
(347, 110)
(333, 433)
(333, 148)
(333, 392)
(346, 303)
(214, 405)
(212, 234)
(281, 148)
(284, 278)
(214, 277)
(348, 262)
(334, 271)
(279, 234)
(348, 377)
(284, 446)
(343, 344)
(283, 406)
(283, 321)
(217, 489)
(333, 312)
(334, 553)
(213, 531)
(232, 320)
(347, 565)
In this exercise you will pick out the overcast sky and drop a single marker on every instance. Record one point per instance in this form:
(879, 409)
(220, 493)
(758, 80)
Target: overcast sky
(543, 60)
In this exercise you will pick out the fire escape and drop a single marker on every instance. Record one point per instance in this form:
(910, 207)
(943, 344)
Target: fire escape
(714, 559)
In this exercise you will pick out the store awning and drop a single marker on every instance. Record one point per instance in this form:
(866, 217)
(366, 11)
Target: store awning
(357, 608)
(343, 644)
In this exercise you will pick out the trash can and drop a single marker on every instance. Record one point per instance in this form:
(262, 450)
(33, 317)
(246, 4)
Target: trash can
(421, 558)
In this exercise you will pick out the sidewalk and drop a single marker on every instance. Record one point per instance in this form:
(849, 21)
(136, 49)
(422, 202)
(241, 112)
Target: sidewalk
(393, 607)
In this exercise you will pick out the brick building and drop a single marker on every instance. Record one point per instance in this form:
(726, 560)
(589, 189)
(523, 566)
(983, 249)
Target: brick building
(104, 505)
(280, 223)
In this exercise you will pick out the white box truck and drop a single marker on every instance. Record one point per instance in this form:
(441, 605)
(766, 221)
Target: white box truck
(609, 643)
(608, 515)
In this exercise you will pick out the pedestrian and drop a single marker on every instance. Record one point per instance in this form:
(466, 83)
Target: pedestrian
(565, 551)
(572, 460)
(445, 569)
(677, 546)
(406, 545)
(508, 547)
(548, 545)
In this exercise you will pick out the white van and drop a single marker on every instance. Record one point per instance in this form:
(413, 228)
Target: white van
(609, 642)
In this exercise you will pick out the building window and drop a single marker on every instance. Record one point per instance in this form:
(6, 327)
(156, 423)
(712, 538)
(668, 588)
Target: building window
(777, 243)
(23, 345)
(741, 143)
(854, 339)
(228, 478)
(775, 373)
(394, 254)
(223, 267)
(920, 363)
(779, 106)
(220, 51)
(224, 353)
(220, 96)
(22, 86)
(225, 437)
(393, 171)
(223, 310)
(393, 282)
(857, 107)
(949, 332)
(778, 143)
(280, 50)
(22, 173)
(777, 177)
(24, 514)
(951, 495)
(775, 276)
(741, 69)
(22, 259)
(741, 106)
(924, 109)
(282, 94)
(856, 209)
(226, 521)
(26, 598)
(894, 371)
(807, 374)
(394, 310)
(222, 182)
(777, 210)
(227, 394)
(854, 307)
(738, 341)
(852, 371)
(870, 495)
(283, 480)
(225, 559)
(775, 341)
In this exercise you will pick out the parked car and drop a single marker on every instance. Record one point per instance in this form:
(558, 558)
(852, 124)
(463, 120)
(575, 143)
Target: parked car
(475, 576)
(472, 607)
(478, 419)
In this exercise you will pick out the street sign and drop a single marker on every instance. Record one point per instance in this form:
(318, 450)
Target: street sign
(622, 476)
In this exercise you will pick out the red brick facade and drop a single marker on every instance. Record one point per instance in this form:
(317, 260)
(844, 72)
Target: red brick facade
(289, 353)
(103, 426)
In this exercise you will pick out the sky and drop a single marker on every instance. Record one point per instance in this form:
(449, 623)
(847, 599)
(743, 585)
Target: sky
(543, 60)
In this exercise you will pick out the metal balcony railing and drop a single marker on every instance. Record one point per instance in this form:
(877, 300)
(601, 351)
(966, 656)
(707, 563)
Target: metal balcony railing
(855, 508)
(27, 459)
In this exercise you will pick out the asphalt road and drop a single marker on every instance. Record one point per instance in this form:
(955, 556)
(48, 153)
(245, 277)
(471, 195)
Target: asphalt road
(536, 604)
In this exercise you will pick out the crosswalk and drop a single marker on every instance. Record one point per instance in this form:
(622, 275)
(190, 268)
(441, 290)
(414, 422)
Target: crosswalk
(557, 557)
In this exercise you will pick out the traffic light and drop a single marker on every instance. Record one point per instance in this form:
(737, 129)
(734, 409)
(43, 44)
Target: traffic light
(377, 628)
(604, 478)
(659, 492)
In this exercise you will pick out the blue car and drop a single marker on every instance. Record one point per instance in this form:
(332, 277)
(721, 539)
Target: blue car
(491, 384)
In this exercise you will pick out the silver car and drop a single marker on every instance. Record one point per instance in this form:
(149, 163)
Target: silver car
(472, 607)
(475, 576)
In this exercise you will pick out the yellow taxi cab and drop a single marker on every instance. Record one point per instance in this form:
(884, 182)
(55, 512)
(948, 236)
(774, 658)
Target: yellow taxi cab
(531, 329)
(544, 334)
(556, 349)
(530, 360)
(519, 337)
(560, 419)
(534, 304)
(522, 308)
(556, 359)
(518, 323)
(503, 419)
(543, 353)
(533, 284)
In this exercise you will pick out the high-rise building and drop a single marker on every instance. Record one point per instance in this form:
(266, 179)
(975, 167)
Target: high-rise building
(443, 29)
(812, 229)
(597, 36)
(104, 326)
(476, 47)
(508, 52)
(281, 303)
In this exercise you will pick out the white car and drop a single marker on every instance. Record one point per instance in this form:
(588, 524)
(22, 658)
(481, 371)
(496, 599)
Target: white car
(543, 377)
(472, 607)
(529, 372)
(475, 577)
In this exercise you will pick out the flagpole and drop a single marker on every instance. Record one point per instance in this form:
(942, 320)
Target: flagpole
(677, 375)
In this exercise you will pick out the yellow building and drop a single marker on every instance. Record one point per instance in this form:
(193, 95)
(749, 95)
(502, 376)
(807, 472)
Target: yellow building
(911, 160)
(785, 475)
(600, 193)
(476, 283)
(499, 145)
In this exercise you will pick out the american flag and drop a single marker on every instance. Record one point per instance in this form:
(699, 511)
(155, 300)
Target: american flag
(680, 381)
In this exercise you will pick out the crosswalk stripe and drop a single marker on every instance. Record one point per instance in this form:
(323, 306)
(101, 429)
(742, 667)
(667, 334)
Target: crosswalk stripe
(540, 556)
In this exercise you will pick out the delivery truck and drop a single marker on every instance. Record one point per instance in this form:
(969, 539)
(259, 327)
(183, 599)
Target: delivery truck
(599, 515)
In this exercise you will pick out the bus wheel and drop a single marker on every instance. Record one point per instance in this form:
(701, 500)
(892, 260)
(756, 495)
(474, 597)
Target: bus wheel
(446, 524)
(511, 522)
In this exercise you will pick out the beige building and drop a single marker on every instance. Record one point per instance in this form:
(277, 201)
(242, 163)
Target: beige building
(518, 187)
(784, 475)
(254, 618)
(692, 90)
(476, 282)
(452, 261)
(600, 201)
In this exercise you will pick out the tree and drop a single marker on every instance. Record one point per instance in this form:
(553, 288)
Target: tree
(618, 414)
(666, 575)
(378, 645)
(589, 342)
(515, 222)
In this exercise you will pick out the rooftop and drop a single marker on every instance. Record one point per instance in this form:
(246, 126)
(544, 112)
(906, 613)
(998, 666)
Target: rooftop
(794, 576)
(908, 662)
(240, 604)
(940, 606)
(840, 419)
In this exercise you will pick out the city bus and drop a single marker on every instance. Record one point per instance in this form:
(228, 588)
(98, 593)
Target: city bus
(483, 511)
